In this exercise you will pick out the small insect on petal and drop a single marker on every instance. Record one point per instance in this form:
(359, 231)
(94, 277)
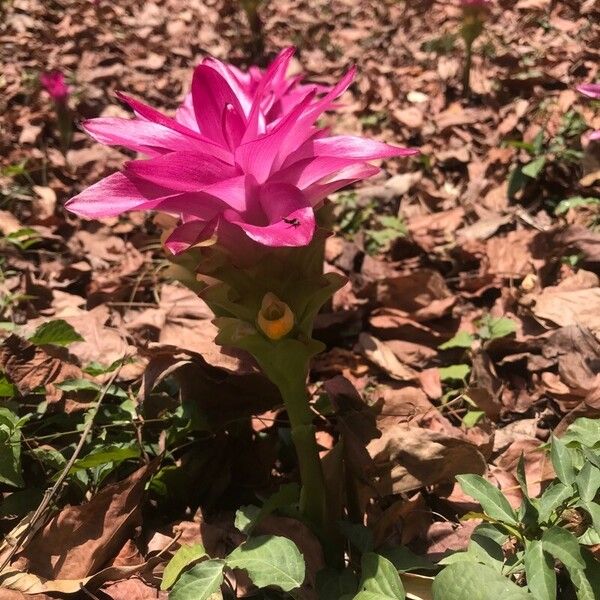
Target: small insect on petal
(275, 318)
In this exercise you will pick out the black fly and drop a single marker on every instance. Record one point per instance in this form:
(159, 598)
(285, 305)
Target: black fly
(292, 222)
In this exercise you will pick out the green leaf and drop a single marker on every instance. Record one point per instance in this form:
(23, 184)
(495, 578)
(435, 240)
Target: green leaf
(185, 555)
(516, 182)
(583, 587)
(539, 568)
(56, 333)
(588, 481)
(270, 561)
(566, 205)
(7, 389)
(585, 431)
(405, 560)
(462, 339)
(534, 168)
(104, 455)
(552, 498)
(474, 581)
(333, 585)
(380, 580)
(562, 461)
(246, 518)
(564, 546)
(454, 372)
(358, 535)
(10, 448)
(85, 385)
(492, 500)
(472, 417)
(200, 582)
(593, 509)
(492, 328)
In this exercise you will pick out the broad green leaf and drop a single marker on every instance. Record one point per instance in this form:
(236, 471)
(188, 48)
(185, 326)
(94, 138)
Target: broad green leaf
(270, 561)
(10, 448)
(380, 579)
(539, 568)
(584, 430)
(562, 461)
(462, 339)
(248, 516)
(473, 417)
(583, 587)
(534, 168)
(588, 481)
(200, 582)
(454, 372)
(56, 333)
(474, 581)
(184, 556)
(517, 180)
(563, 546)
(552, 498)
(492, 500)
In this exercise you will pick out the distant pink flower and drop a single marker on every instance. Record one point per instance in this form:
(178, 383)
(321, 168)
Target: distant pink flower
(591, 90)
(242, 153)
(54, 83)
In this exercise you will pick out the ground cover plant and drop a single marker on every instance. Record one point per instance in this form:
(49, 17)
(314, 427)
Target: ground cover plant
(299, 300)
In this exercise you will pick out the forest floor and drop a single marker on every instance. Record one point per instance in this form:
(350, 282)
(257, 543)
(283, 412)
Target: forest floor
(471, 326)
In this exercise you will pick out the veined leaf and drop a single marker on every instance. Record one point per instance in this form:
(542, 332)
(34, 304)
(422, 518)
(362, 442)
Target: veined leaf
(563, 546)
(380, 579)
(56, 333)
(184, 556)
(539, 568)
(492, 500)
(562, 461)
(270, 560)
(200, 582)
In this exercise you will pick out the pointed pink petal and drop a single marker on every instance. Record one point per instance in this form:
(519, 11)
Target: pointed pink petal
(202, 143)
(595, 135)
(310, 170)
(114, 195)
(181, 171)
(189, 234)
(291, 218)
(257, 156)
(237, 80)
(352, 146)
(211, 94)
(317, 192)
(196, 205)
(592, 90)
(136, 134)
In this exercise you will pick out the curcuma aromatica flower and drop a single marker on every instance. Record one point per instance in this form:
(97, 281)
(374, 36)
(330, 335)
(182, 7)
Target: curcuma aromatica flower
(242, 155)
(55, 84)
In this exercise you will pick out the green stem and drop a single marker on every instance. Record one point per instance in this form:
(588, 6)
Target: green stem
(313, 504)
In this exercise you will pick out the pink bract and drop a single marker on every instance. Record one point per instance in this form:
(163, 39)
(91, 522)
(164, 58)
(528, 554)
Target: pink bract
(242, 153)
(55, 84)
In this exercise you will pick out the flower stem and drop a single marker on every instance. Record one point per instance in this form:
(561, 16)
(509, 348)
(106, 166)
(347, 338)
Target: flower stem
(313, 504)
(466, 80)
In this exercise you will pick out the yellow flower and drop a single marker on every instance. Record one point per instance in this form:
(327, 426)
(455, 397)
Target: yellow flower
(275, 318)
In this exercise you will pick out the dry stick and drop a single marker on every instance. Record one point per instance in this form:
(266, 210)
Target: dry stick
(49, 494)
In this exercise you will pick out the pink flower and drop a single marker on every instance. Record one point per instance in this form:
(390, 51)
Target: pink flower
(591, 90)
(54, 83)
(242, 154)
